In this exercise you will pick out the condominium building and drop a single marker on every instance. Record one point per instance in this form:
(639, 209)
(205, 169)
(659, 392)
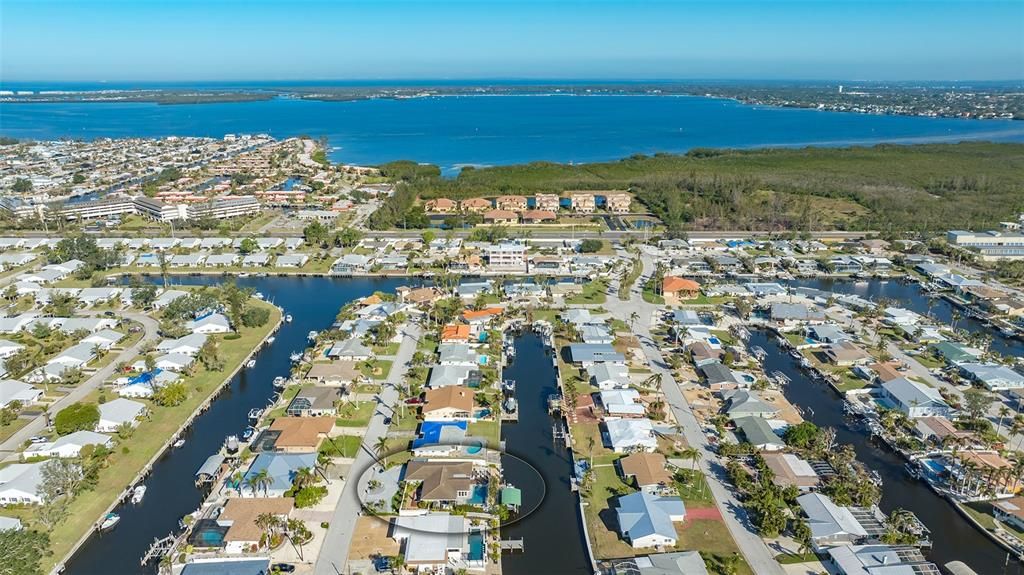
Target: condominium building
(618, 202)
(546, 202)
(104, 208)
(506, 255)
(225, 207)
(160, 211)
(511, 203)
(990, 246)
(583, 202)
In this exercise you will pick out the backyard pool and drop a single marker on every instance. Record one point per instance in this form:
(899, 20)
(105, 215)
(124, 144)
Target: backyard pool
(478, 496)
(476, 546)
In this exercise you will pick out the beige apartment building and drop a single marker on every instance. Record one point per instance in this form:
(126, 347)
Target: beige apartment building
(546, 202)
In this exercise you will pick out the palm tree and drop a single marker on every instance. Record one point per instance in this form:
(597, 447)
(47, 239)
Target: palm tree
(381, 448)
(260, 480)
(298, 534)
(1003, 412)
(633, 317)
(236, 482)
(304, 477)
(267, 523)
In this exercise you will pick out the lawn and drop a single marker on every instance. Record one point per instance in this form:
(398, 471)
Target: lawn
(12, 428)
(695, 491)
(981, 511)
(582, 433)
(929, 361)
(342, 445)
(649, 295)
(489, 430)
(378, 369)
(593, 293)
(352, 415)
(600, 515)
(389, 349)
(627, 282)
(150, 436)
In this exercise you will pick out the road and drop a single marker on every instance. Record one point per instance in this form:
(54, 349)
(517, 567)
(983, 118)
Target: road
(333, 556)
(624, 234)
(37, 425)
(758, 555)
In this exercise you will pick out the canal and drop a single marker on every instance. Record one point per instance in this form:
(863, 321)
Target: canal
(952, 536)
(552, 537)
(171, 494)
(910, 296)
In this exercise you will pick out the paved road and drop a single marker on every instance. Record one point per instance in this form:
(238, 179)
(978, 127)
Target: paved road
(34, 427)
(334, 552)
(758, 555)
(623, 234)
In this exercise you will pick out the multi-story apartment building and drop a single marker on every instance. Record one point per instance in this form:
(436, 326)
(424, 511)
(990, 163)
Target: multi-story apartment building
(511, 203)
(506, 255)
(618, 202)
(160, 211)
(990, 246)
(475, 205)
(546, 202)
(583, 202)
(114, 206)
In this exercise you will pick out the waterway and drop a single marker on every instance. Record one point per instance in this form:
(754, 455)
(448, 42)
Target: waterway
(494, 130)
(910, 296)
(552, 537)
(171, 494)
(952, 536)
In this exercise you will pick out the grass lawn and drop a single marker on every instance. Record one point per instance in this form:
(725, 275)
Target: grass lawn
(150, 436)
(355, 416)
(725, 337)
(489, 430)
(651, 297)
(593, 293)
(793, 558)
(342, 446)
(389, 349)
(695, 491)
(636, 268)
(849, 382)
(713, 539)
(796, 339)
(581, 435)
(981, 511)
(379, 369)
(929, 361)
(12, 428)
(599, 513)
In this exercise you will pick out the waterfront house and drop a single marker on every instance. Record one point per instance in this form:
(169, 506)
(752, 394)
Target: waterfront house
(757, 432)
(315, 401)
(791, 470)
(187, 345)
(506, 256)
(511, 203)
(993, 376)
(468, 291)
(335, 372)
(222, 260)
(878, 560)
(789, 314)
(675, 563)
(301, 434)
(915, 399)
(630, 435)
(475, 205)
(20, 484)
(457, 354)
(351, 263)
(846, 354)
(646, 520)
(441, 439)
(607, 376)
(449, 403)
(67, 446)
(1010, 511)
(209, 323)
(256, 260)
(622, 403)
(646, 470)
(241, 517)
(9, 348)
(443, 483)
(675, 289)
(596, 334)
(479, 317)
(291, 260)
(845, 265)
(14, 390)
(455, 333)
(588, 354)
(936, 430)
(432, 542)
(448, 375)
(546, 202)
(717, 376)
(618, 202)
(439, 206)
(746, 403)
(827, 333)
(830, 524)
(166, 297)
(187, 260)
(117, 412)
(350, 349)
(281, 469)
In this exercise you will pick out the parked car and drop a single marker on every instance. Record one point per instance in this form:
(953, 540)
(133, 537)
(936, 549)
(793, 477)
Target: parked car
(39, 439)
(282, 568)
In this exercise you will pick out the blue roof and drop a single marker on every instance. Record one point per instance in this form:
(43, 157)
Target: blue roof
(430, 432)
(145, 377)
(282, 468)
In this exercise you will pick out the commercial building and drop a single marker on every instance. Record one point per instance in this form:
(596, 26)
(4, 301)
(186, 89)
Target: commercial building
(990, 246)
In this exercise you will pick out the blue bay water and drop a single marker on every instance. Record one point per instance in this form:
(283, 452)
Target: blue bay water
(489, 130)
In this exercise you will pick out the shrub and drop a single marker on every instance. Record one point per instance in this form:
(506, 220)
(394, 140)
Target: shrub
(76, 417)
(310, 496)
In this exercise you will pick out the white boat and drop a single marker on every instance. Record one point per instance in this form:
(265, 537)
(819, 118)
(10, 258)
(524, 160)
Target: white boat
(271, 340)
(138, 493)
(296, 357)
(250, 363)
(311, 336)
(288, 318)
(257, 295)
(255, 413)
(280, 382)
(179, 443)
(109, 521)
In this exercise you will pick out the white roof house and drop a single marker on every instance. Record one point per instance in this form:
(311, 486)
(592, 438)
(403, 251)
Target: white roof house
(89, 324)
(292, 260)
(20, 482)
(187, 260)
(222, 260)
(631, 435)
(168, 296)
(256, 260)
(433, 539)
(879, 560)
(645, 520)
(93, 295)
(622, 403)
(75, 356)
(187, 345)
(915, 399)
(104, 338)
(830, 524)
(993, 376)
(116, 412)
(210, 323)
(14, 324)
(68, 446)
(609, 375)
(9, 348)
(14, 390)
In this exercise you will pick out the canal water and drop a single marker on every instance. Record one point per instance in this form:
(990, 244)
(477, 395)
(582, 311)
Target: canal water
(552, 537)
(171, 494)
(952, 536)
(910, 296)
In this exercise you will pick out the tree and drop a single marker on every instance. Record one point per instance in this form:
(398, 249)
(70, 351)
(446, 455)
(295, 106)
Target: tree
(802, 534)
(22, 186)
(22, 550)
(976, 403)
(259, 480)
(209, 356)
(298, 534)
(590, 246)
(802, 435)
(255, 316)
(164, 266)
(60, 477)
(428, 236)
(347, 237)
(171, 395)
(76, 417)
(315, 233)
(248, 246)
(144, 295)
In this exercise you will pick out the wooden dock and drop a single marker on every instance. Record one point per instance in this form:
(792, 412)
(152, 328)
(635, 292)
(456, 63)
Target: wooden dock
(512, 544)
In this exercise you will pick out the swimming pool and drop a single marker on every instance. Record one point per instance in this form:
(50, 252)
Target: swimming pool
(474, 448)
(476, 546)
(478, 496)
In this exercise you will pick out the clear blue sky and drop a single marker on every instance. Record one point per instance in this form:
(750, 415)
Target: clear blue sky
(171, 40)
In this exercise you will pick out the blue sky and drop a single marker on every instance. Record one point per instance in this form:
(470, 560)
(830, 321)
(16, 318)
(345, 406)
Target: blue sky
(172, 40)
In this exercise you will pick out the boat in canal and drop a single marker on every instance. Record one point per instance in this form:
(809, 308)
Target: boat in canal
(109, 521)
(178, 443)
(280, 383)
(288, 318)
(138, 493)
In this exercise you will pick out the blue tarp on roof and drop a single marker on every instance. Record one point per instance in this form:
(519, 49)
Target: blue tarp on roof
(430, 432)
(145, 377)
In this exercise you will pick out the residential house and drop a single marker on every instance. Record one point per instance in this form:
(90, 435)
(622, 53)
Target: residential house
(878, 560)
(13, 390)
(335, 372)
(511, 203)
(629, 435)
(796, 313)
(547, 202)
(187, 345)
(67, 446)
(117, 412)
(443, 483)
(622, 403)
(455, 333)
(440, 206)
(747, 403)
(646, 520)
(790, 469)
(1010, 511)
(20, 484)
(301, 434)
(993, 376)
(475, 205)
(757, 432)
(281, 469)
(350, 349)
(315, 402)
(646, 470)
(915, 399)
(241, 517)
(538, 216)
(607, 376)
(432, 542)
(449, 403)
(846, 354)
(830, 524)
(449, 375)
(618, 202)
(588, 354)
(675, 563)
(501, 217)
(675, 289)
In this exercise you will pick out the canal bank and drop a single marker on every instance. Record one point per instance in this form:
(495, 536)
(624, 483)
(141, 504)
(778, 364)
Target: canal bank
(313, 303)
(552, 535)
(953, 538)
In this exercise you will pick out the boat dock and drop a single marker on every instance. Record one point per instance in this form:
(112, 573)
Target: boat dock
(512, 544)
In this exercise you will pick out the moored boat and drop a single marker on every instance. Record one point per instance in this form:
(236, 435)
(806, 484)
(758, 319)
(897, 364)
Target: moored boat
(109, 521)
(138, 493)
